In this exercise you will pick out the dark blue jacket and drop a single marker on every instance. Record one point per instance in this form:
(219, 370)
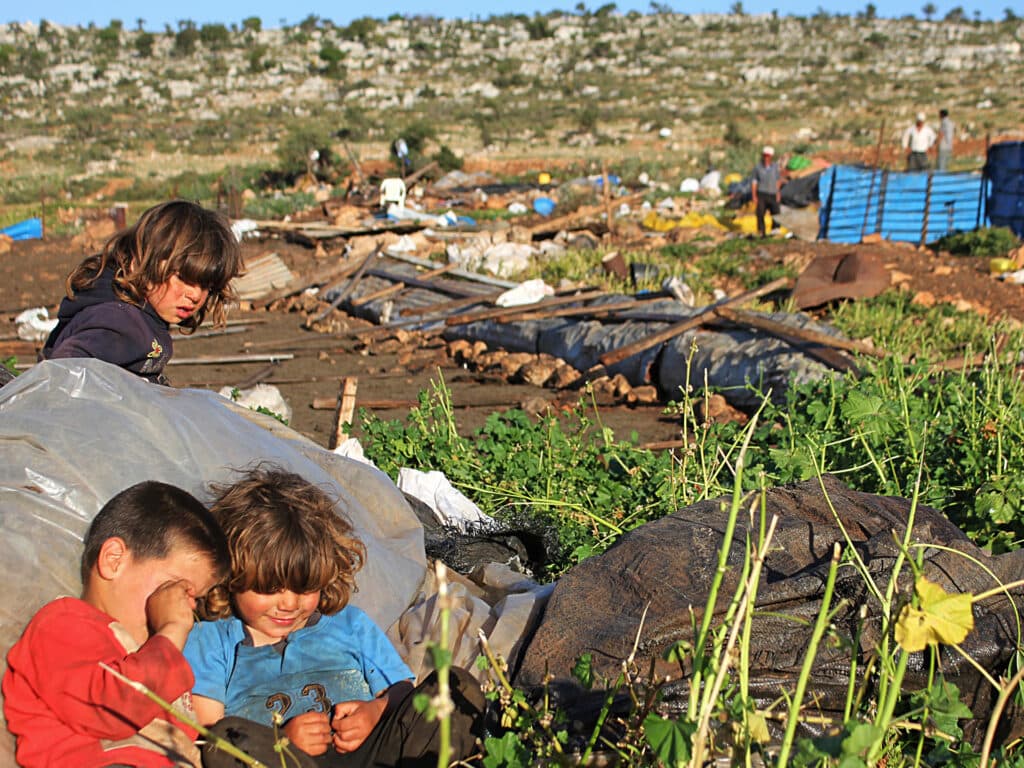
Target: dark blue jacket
(96, 323)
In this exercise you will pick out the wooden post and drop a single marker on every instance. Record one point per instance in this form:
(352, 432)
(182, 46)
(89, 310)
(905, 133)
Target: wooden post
(927, 209)
(880, 219)
(878, 147)
(346, 409)
(607, 192)
(831, 202)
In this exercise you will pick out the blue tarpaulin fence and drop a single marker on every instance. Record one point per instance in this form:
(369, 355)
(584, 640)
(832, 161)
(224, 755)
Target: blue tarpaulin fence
(29, 229)
(916, 207)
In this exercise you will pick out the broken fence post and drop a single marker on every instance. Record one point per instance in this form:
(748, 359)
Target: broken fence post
(346, 409)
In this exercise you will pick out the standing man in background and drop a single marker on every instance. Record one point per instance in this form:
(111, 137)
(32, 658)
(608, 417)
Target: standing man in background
(946, 130)
(766, 187)
(917, 140)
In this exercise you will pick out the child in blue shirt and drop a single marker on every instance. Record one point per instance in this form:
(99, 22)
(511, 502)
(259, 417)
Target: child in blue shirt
(288, 645)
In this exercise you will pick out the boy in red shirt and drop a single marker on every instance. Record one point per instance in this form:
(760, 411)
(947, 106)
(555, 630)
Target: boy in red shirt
(149, 553)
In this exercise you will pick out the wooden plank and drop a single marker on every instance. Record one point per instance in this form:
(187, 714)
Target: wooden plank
(451, 306)
(229, 359)
(201, 334)
(391, 290)
(345, 411)
(616, 355)
(805, 335)
(344, 293)
(591, 310)
(465, 274)
(543, 304)
(451, 289)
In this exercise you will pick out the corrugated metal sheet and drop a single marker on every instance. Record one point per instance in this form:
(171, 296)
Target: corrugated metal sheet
(262, 275)
(916, 207)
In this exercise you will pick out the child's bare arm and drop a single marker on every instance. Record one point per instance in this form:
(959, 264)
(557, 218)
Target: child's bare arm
(169, 611)
(208, 711)
(354, 720)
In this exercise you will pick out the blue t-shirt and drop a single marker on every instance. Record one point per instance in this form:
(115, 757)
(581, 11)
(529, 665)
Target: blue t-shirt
(343, 657)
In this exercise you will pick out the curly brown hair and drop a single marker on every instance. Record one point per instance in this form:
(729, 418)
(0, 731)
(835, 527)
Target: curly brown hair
(173, 238)
(284, 532)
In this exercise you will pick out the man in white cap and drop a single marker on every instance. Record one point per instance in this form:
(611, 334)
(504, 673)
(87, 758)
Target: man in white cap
(766, 187)
(917, 140)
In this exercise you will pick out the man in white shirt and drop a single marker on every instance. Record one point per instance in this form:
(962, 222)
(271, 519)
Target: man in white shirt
(917, 140)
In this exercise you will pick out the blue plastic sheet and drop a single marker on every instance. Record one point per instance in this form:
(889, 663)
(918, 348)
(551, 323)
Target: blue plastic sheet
(1004, 170)
(29, 229)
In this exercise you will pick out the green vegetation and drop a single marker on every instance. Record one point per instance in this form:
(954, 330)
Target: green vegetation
(986, 241)
(951, 439)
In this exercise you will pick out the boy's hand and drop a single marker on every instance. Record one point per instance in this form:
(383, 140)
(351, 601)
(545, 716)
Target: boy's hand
(354, 720)
(310, 732)
(169, 611)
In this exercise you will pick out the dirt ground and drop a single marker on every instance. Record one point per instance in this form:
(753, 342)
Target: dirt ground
(391, 376)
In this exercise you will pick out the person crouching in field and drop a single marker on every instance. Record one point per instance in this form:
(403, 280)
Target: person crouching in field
(172, 267)
(289, 648)
(150, 552)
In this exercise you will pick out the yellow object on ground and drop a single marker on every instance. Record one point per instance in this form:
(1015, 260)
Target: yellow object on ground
(544, 178)
(999, 265)
(692, 220)
(731, 178)
(747, 225)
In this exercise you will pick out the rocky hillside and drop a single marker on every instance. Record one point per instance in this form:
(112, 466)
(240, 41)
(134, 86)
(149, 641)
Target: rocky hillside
(675, 89)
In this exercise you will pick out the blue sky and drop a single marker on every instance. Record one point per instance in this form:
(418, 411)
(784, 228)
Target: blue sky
(273, 13)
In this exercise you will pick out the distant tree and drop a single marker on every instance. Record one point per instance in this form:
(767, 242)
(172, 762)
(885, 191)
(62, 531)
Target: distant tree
(870, 12)
(955, 15)
(252, 24)
(1009, 14)
(605, 10)
(144, 44)
(332, 56)
(360, 29)
(140, 23)
(657, 7)
(929, 10)
(537, 27)
(310, 23)
(588, 117)
(108, 40)
(581, 8)
(215, 36)
(186, 39)
(736, 9)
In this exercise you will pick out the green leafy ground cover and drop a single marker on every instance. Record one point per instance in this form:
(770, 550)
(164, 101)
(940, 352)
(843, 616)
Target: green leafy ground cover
(947, 437)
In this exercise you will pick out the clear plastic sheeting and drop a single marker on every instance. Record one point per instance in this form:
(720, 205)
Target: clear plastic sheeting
(75, 432)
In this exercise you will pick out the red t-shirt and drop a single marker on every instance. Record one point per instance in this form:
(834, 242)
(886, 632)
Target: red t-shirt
(66, 710)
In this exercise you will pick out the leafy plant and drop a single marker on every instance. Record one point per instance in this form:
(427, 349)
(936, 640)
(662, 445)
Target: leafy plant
(985, 241)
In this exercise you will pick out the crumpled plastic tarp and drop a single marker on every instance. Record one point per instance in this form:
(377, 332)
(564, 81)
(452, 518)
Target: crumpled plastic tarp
(75, 432)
